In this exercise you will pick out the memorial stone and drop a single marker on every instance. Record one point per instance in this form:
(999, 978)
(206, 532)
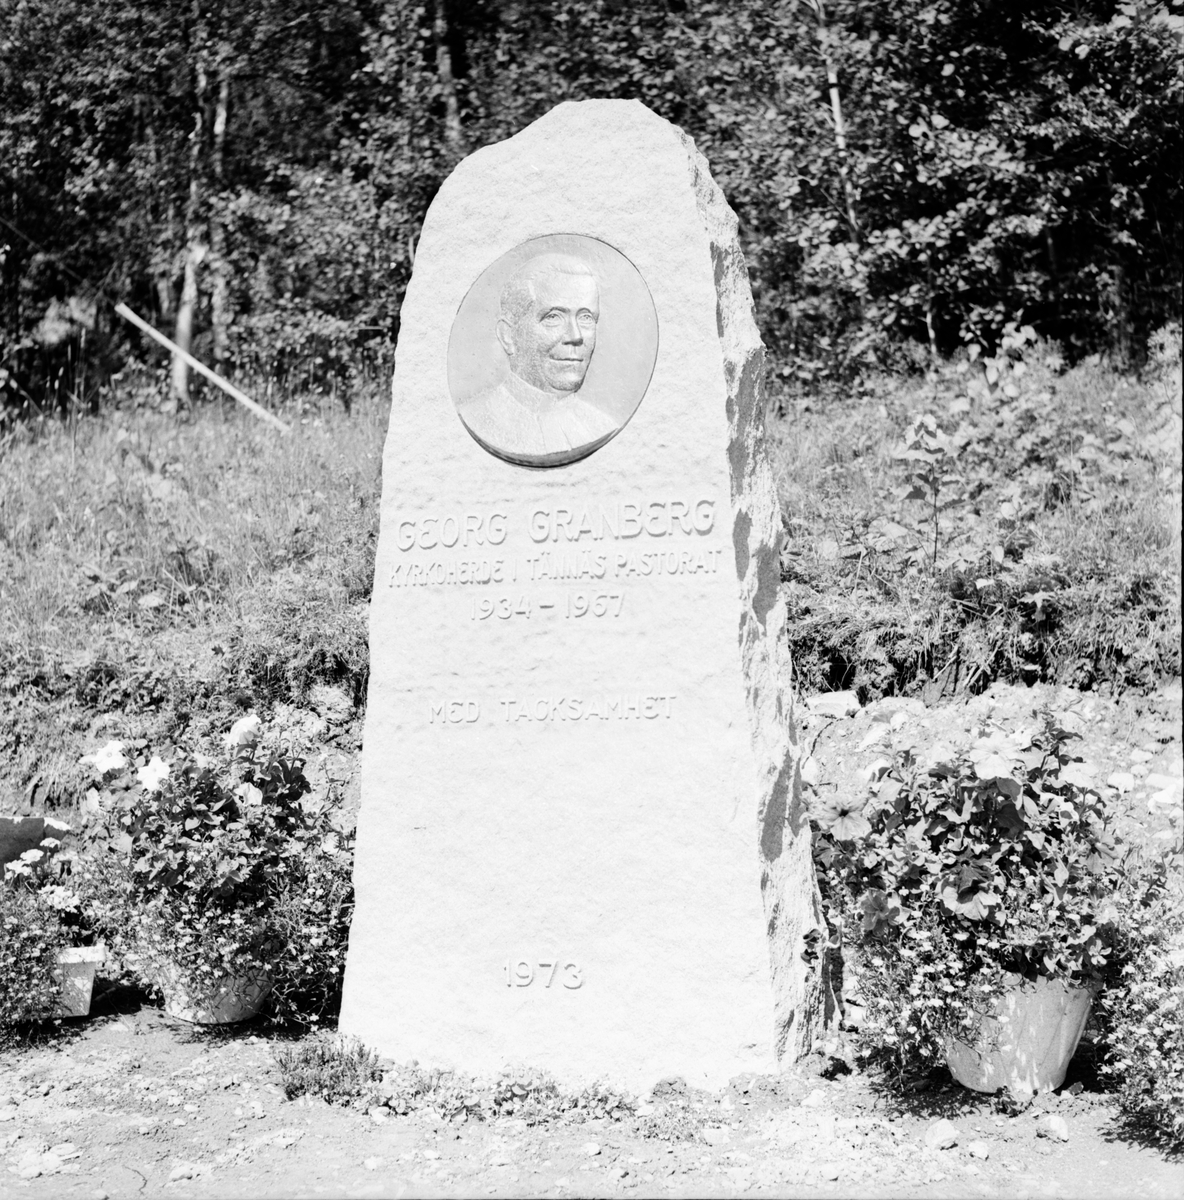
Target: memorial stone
(581, 845)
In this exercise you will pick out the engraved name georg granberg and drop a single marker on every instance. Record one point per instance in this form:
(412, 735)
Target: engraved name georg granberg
(625, 520)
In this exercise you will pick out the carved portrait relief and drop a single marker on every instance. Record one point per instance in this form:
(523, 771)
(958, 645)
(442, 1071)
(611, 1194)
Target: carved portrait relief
(552, 350)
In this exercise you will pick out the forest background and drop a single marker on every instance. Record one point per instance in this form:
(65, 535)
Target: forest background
(911, 176)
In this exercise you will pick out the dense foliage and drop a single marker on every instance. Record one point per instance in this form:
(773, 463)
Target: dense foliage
(910, 175)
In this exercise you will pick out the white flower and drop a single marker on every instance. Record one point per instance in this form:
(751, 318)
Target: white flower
(60, 898)
(205, 761)
(153, 774)
(249, 793)
(110, 758)
(244, 732)
(24, 865)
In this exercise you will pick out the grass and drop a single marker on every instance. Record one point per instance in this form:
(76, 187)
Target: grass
(1058, 557)
(157, 575)
(336, 1070)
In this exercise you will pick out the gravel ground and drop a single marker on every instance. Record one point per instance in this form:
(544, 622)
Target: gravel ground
(134, 1104)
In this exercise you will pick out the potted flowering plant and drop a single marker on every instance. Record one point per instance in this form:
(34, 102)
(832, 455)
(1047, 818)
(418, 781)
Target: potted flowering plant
(42, 877)
(977, 893)
(190, 875)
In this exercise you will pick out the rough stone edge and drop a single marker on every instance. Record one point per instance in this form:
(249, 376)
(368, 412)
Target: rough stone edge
(803, 997)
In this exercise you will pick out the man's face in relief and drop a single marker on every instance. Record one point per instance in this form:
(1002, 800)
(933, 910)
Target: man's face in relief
(550, 342)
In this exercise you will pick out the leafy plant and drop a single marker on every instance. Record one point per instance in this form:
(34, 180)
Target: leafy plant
(532, 1096)
(312, 907)
(953, 875)
(598, 1100)
(931, 476)
(1056, 560)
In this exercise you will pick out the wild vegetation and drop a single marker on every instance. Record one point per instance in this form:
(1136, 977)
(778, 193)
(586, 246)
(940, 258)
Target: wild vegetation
(957, 530)
(177, 574)
(910, 175)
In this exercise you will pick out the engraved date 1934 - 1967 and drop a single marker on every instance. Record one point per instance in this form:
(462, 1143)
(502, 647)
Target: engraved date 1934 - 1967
(522, 973)
(572, 605)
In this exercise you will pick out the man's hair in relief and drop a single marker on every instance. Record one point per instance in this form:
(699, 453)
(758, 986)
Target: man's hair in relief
(518, 291)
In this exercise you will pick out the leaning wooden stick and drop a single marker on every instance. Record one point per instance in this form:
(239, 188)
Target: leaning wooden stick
(200, 367)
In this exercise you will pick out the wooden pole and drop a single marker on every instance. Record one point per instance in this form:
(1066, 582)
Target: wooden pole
(202, 369)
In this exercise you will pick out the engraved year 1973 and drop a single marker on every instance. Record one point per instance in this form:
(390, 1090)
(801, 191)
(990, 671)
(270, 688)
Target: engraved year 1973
(522, 973)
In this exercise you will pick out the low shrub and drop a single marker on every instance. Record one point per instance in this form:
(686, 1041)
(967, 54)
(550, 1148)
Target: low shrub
(672, 1122)
(336, 1070)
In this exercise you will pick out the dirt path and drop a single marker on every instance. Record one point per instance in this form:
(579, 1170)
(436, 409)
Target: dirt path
(137, 1105)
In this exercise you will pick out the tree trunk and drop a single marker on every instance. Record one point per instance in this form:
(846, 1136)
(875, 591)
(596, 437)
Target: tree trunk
(1054, 271)
(836, 112)
(162, 277)
(195, 248)
(195, 251)
(1118, 300)
(836, 107)
(219, 287)
(452, 131)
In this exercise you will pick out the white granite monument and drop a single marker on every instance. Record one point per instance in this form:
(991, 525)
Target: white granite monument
(581, 845)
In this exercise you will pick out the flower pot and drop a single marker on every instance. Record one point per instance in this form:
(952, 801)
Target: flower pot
(76, 973)
(1026, 1044)
(230, 999)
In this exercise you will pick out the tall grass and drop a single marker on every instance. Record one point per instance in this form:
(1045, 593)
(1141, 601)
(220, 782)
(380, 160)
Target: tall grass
(159, 573)
(159, 564)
